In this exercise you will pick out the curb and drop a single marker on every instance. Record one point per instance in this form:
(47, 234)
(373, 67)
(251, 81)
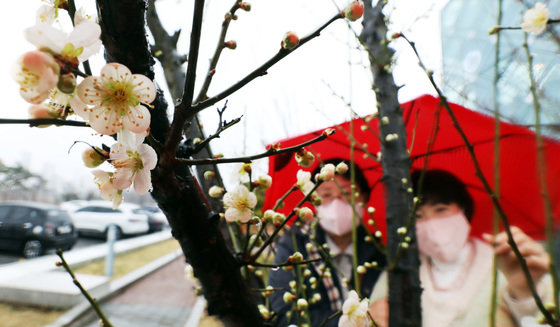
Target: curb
(84, 308)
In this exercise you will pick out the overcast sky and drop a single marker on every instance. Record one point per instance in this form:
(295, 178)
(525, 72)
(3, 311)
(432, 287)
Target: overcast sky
(306, 91)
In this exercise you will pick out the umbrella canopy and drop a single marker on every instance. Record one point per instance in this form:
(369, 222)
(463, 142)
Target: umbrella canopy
(520, 188)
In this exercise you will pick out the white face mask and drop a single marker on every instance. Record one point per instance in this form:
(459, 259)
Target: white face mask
(443, 238)
(336, 216)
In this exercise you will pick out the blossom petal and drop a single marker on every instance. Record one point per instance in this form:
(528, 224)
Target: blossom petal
(89, 91)
(149, 157)
(79, 107)
(44, 35)
(104, 121)
(137, 119)
(86, 35)
(114, 72)
(122, 178)
(144, 88)
(142, 181)
(251, 200)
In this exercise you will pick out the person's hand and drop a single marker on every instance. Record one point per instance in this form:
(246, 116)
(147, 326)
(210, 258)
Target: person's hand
(534, 253)
(379, 310)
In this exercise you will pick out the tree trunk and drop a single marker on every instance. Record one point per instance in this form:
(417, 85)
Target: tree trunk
(176, 191)
(404, 284)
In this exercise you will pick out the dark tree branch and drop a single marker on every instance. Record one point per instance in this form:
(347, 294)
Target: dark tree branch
(44, 121)
(222, 126)
(166, 48)
(404, 283)
(183, 109)
(214, 61)
(262, 70)
(270, 152)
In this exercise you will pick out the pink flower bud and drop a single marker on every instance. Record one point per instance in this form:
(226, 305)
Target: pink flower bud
(341, 168)
(290, 41)
(245, 6)
(215, 191)
(305, 213)
(67, 83)
(94, 157)
(327, 172)
(353, 11)
(231, 44)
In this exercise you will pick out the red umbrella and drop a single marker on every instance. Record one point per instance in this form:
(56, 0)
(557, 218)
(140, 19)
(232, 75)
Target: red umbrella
(520, 190)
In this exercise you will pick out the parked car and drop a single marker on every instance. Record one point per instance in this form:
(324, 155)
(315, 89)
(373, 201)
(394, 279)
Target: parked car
(156, 219)
(32, 228)
(95, 217)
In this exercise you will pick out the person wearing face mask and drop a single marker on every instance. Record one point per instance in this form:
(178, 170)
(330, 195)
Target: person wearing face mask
(456, 269)
(327, 292)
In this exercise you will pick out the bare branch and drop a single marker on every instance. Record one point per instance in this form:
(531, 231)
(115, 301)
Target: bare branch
(44, 121)
(220, 46)
(261, 70)
(183, 109)
(91, 300)
(222, 126)
(270, 152)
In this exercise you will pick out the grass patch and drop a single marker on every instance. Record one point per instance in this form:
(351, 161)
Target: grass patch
(130, 261)
(15, 315)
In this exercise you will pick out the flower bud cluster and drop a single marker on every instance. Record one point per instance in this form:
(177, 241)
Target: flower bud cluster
(304, 158)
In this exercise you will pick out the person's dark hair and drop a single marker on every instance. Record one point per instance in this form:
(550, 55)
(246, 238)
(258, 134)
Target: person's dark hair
(359, 176)
(440, 186)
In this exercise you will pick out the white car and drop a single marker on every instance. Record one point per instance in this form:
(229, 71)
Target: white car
(95, 217)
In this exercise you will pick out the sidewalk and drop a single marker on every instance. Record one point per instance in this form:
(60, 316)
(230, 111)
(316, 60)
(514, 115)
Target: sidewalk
(162, 299)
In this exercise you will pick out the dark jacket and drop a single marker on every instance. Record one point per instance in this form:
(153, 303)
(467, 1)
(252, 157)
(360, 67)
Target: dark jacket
(321, 310)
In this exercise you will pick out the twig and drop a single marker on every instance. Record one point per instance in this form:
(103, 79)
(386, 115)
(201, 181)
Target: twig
(331, 317)
(183, 109)
(91, 300)
(44, 121)
(222, 126)
(496, 221)
(214, 61)
(270, 152)
(261, 70)
(499, 28)
(281, 226)
(541, 169)
(285, 264)
(488, 189)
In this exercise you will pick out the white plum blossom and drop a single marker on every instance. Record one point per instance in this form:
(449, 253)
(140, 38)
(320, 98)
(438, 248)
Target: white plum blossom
(305, 213)
(107, 190)
(304, 182)
(265, 182)
(354, 311)
(341, 168)
(133, 161)
(327, 172)
(215, 191)
(81, 43)
(535, 19)
(239, 204)
(116, 99)
(36, 72)
(46, 14)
